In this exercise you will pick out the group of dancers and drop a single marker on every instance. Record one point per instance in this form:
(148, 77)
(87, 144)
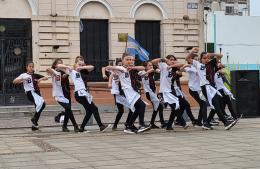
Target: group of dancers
(205, 83)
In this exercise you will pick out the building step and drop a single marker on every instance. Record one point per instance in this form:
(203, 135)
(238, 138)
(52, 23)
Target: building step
(24, 111)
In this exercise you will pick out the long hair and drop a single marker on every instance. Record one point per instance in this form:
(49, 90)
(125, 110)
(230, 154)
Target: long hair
(53, 66)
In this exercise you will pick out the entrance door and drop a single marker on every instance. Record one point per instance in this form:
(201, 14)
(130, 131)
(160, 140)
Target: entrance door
(147, 33)
(15, 50)
(94, 45)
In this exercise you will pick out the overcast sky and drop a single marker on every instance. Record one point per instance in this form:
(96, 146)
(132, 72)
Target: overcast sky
(255, 7)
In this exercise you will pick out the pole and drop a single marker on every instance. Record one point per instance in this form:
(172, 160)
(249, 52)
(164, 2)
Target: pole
(206, 36)
(215, 33)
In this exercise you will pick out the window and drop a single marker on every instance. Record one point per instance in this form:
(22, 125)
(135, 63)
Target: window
(229, 10)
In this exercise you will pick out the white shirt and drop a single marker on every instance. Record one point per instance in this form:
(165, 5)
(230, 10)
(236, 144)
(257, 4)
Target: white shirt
(165, 77)
(56, 84)
(115, 86)
(218, 81)
(77, 80)
(145, 81)
(27, 82)
(194, 80)
(124, 78)
(201, 69)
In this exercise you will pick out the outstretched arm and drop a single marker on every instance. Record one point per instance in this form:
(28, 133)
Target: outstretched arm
(86, 67)
(138, 68)
(182, 69)
(18, 80)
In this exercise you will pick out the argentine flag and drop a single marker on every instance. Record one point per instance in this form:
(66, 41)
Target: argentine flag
(134, 48)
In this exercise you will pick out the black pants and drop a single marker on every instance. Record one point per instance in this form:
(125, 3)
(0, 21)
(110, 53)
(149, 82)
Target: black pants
(31, 99)
(203, 106)
(90, 109)
(173, 114)
(185, 105)
(120, 112)
(226, 100)
(159, 109)
(216, 102)
(139, 110)
(68, 115)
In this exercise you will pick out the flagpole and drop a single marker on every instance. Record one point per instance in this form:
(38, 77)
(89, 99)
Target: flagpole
(126, 46)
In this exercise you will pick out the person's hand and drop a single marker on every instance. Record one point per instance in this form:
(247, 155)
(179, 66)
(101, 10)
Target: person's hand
(65, 76)
(129, 68)
(194, 50)
(105, 77)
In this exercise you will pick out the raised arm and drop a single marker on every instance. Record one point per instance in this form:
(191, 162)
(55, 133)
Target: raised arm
(182, 69)
(157, 60)
(177, 65)
(104, 73)
(215, 55)
(189, 57)
(50, 72)
(114, 68)
(87, 67)
(110, 80)
(138, 68)
(18, 80)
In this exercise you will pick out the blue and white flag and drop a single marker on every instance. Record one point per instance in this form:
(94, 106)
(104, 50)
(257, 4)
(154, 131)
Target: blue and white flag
(134, 48)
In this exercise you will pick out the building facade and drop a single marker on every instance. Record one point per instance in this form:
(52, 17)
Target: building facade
(43, 30)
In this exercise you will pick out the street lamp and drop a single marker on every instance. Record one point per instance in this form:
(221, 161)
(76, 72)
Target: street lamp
(205, 20)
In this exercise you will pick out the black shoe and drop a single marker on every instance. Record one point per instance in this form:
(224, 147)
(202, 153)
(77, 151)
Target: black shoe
(230, 124)
(169, 128)
(214, 123)
(164, 125)
(34, 122)
(114, 128)
(65, 129)
(82, 130)
(153, 126)
(104, 127)
(198, 123)
(34, 128)
(143, 128)
(76, 129)
(206, 126)
(130, 130)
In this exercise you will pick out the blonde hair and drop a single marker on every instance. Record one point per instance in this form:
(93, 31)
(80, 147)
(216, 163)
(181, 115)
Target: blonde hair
(77, 59)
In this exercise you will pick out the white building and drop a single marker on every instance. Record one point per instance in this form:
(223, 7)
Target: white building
(237, 37)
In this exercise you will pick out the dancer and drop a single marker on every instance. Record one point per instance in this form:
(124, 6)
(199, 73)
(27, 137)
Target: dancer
(150, 91)
(61, 93)
(30, 82)
(81, 95)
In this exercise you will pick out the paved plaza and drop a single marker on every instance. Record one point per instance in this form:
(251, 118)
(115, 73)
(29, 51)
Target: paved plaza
(193, 148)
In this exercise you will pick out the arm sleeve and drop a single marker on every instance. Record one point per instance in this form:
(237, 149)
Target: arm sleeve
(38, 76)
(162, 66)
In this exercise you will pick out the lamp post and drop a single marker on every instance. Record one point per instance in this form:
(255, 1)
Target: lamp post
(205, 19)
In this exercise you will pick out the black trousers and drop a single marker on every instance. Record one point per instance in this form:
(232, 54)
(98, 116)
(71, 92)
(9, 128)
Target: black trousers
(120, 112)
(203, 106)
(90, 109)
(160, 110)
(216, 102)
(226, 100)
(185, 105)
(139, 110)
(68, 115)
(31, 99)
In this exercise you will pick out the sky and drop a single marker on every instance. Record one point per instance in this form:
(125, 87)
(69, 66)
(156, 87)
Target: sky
(255, 7)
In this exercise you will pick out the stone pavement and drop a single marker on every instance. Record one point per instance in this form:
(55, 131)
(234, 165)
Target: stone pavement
(193, 148)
